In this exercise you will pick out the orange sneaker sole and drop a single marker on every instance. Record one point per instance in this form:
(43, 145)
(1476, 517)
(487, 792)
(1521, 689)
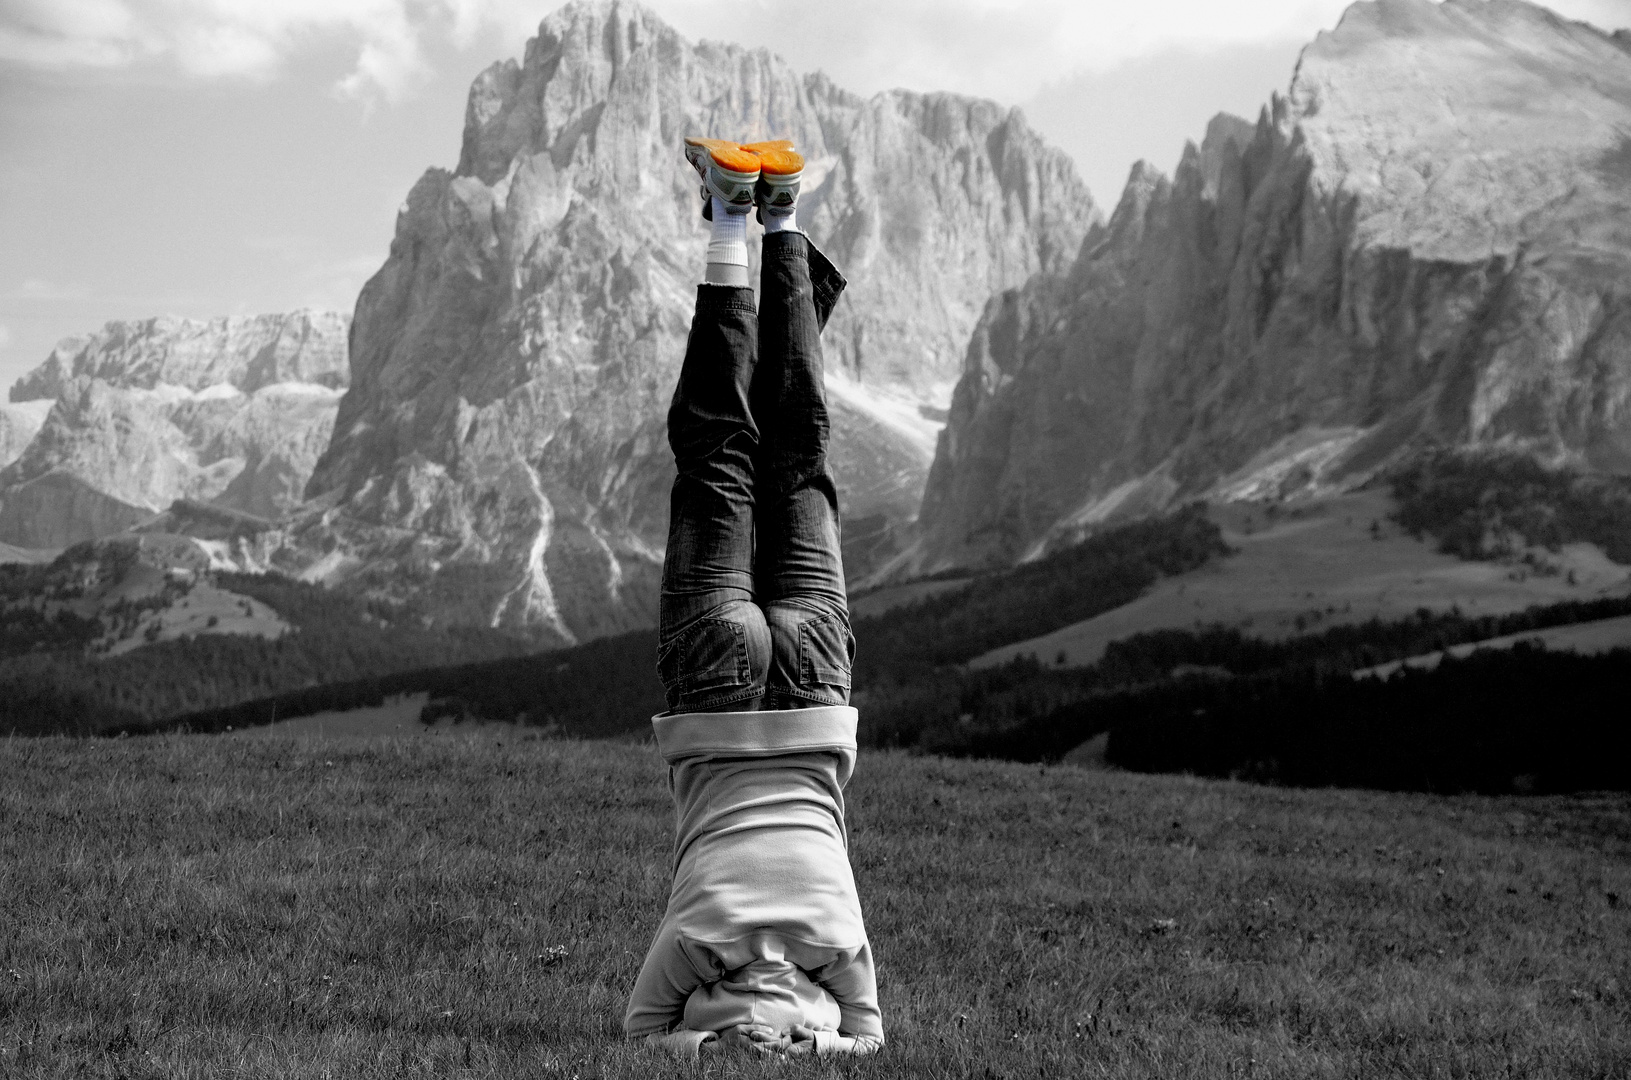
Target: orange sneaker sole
(735, 159)
(726, 154)
(781, 163)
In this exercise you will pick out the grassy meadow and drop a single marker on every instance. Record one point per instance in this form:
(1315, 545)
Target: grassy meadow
(478, 905)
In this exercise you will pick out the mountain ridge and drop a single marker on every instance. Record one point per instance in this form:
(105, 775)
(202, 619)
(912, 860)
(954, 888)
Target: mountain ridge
(232, 411)
(1386, 260)
(1418, 245)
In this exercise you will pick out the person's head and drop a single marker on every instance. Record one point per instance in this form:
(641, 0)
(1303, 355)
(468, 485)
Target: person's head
(773, 993)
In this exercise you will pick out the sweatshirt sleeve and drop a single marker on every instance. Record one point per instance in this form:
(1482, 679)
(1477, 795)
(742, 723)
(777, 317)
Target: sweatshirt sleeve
(666, 980)
(851, 981)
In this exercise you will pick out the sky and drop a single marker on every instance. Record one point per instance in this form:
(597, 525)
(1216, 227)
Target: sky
(215, 157)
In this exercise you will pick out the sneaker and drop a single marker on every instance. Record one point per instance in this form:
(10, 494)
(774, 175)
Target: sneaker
(767, 147)
(777, 192)
(728, 171)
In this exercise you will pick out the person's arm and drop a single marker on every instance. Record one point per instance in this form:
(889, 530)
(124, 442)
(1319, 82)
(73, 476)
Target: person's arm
(853, 983)
(825, 1043)
(666, 980)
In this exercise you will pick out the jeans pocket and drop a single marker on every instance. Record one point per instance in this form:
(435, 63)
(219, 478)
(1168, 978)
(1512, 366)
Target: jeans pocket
(826, 648)
(711, 653)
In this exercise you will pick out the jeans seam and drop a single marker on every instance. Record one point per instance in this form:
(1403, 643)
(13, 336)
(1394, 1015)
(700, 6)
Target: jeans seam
(744, 695)
(829, 295)
(805, 695)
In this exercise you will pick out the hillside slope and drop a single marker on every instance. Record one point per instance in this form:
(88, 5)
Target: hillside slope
(136, 628)
(1330, 561)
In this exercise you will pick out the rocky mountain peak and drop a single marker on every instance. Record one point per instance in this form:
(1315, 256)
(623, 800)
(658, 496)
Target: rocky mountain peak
(1145, 185)
(1426, 241)
(1466, 128)
(1227, 138)
(512, 360)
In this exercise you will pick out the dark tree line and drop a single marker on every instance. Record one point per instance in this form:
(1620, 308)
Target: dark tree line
(335, 638)
(603, 688)
(609, 686)
(1067, 586)
(35, 615)
(1026, 704)
(1524, 720)
(1212, 700)
(1489, 505)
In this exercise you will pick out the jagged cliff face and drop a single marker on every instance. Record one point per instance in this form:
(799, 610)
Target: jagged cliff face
(1427, 241)
(232, 412)
(19, 423)
(502, 447)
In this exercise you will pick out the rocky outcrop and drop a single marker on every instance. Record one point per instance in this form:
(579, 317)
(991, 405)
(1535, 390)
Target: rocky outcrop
(19, 423)
(232, 411)
(246, 353)
(501, 450)
(1427, 241)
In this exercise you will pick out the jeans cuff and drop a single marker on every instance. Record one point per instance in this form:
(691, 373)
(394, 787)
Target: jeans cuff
(713, 299)
(785, 245)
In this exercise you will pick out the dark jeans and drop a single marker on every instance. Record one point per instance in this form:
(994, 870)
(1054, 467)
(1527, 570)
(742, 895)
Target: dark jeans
(753, 613)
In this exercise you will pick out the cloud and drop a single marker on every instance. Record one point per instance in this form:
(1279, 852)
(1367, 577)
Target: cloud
(390, 60)
(1004, 48)
(250, 39)
(225, 50)
(77, 33)
(80, 33)
(1008, 49)
(5, 336)
(1011, 49)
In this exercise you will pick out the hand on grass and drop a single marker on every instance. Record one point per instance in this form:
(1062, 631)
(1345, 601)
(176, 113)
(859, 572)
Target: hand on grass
(801, 1041)
(824, 1043)
(756, 1037)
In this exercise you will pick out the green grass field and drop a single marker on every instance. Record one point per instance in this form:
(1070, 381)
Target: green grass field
(477, 906)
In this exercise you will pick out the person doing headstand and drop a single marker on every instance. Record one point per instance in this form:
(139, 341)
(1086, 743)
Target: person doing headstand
(762, 945)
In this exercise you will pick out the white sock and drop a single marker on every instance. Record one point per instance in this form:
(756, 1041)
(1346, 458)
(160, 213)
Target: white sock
(787, 221)
(727, 246)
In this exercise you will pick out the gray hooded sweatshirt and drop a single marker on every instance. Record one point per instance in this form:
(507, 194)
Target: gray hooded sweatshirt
(763, 932)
